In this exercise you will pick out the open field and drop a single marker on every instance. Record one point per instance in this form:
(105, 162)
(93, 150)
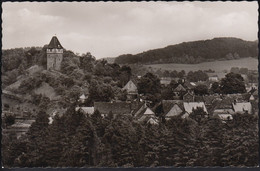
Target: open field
(218, 66)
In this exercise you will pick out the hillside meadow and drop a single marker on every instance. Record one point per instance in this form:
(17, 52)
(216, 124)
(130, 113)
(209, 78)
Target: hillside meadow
(218, 66)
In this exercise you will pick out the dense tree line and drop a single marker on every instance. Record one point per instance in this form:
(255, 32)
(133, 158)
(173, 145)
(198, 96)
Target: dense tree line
(194, 52)
(77, 140)
(197, 76)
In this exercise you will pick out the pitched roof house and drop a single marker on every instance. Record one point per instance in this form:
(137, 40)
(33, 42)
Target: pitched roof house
(225, 117)
(130, 87)
(85, 110)
(179, 88)
(145, 115)
(172, 108)
(223, 106)
(244, 107)
(175, 111)
(188, 97)
(153, 121)
(82, 98)
(188, 85)
(190, 106)
(213, 78)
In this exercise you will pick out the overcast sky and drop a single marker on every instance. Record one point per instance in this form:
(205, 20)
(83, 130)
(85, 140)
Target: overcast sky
(109, 29)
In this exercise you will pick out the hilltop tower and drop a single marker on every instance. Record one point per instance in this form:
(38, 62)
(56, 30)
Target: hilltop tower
(54, 54)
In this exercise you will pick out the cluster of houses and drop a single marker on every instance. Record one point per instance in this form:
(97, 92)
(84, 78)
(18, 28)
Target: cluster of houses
(22, 123)
(183, 103)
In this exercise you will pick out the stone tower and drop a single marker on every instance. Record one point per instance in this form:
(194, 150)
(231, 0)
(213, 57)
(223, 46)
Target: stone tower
(54, 54)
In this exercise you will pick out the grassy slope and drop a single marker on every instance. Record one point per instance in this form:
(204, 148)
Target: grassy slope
(46, 90)
(218, 66)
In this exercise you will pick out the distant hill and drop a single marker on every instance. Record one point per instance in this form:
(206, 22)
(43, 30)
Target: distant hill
(109, 59)
(195, 52)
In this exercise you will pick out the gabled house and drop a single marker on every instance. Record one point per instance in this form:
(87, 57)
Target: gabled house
(85, 110)
(188, 97)
(145, 115)
(153, 121)
(225, 117)
(244, 107)
(82, 98)
(19, 128)
(178, 92)
(210, 101)
(190, 106)
(223, 108)
(255, 94)
(188, 86)
(213, 78)
(172, 108)
(179, 88)
(138, 108)
(251, 98)
(175, 111)
(131, 89)
(146, 112)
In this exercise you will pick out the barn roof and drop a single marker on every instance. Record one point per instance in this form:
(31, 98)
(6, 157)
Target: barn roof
(83, 96)
(137, 107)
(225, 117)
(115, 108)
(179, 88)
(209, 99)
(148, 111)
(255, 93)
(152, 121)
(168, 104)
(242, 107)
(54, 43)
(87, 110)
(189, 106)
(188, 85)
(174, 111)
(130, 87)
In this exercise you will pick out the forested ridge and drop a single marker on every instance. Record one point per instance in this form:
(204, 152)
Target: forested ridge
(194, 52)
(77, 140)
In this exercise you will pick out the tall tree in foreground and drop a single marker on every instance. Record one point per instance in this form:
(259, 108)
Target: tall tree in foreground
(150, 86)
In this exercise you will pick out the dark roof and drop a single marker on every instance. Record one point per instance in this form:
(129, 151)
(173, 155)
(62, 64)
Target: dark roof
(54, 43)
(141, 114)
(136, 106)
(198, 99)
(209, 99)
(168, 104)
(115, 108)
(188, 93)
(179, 88)
(226, 102)
(187, 85)
(255, 93)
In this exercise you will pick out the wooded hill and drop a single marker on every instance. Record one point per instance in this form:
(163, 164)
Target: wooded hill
(194, 52)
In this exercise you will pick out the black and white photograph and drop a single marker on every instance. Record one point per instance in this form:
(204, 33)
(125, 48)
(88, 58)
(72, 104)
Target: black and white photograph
(130, 84)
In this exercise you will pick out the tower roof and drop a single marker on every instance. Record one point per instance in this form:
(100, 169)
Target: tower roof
(54, 43)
